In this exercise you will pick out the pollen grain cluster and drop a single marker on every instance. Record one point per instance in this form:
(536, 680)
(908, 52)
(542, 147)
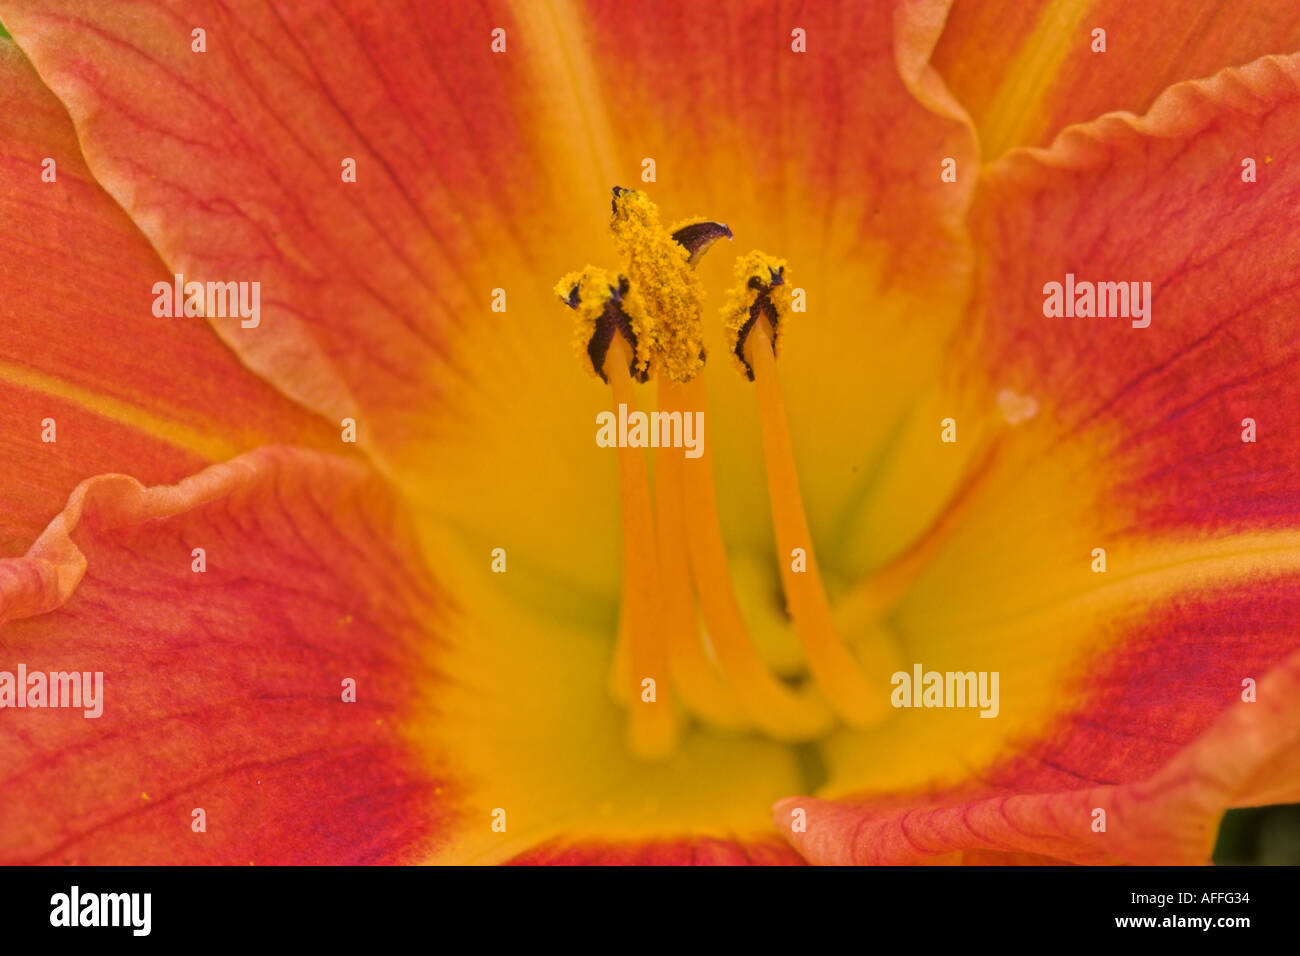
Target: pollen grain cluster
(590, 293)
(659, 268)
(760, 283)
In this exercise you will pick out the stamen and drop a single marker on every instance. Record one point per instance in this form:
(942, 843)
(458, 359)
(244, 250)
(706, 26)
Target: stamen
(652, 725)
(760, 287)
(659, 264)
(605, 305)
(855, 688)
(652, 320)
(703, 690)
(660, 270)
(779, 711)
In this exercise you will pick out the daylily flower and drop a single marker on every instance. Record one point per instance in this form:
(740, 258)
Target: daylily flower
(403, 648)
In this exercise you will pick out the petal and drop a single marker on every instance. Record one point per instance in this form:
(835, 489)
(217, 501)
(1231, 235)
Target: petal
(1026, 71)
(378, 292)
(232, 162)
(221, 689)
(1161, 199)
(79, 343)
(526, 660)
(1170, 817)
(1142, 425)
(1135, 447)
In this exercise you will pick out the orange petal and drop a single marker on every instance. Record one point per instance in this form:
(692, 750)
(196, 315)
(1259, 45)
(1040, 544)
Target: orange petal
(1025, 71)
(1160, 199)
(233, 163)
(223, 690)
(1135, 446)
(78, 341)
(1169, 817)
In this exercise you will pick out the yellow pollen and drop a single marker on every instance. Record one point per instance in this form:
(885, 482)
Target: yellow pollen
(660, 270)
(757, 275)
(594, 289)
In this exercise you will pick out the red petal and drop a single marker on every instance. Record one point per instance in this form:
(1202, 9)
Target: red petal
(222, 690)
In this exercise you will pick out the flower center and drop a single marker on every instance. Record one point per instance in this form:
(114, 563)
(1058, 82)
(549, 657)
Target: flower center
(683, 649)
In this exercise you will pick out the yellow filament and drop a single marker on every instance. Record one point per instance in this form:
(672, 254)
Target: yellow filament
(777, 710)
(652, 725)
(858, 690)
(703, 691)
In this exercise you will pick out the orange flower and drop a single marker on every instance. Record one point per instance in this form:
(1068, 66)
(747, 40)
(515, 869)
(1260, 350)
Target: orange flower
(404, 648)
